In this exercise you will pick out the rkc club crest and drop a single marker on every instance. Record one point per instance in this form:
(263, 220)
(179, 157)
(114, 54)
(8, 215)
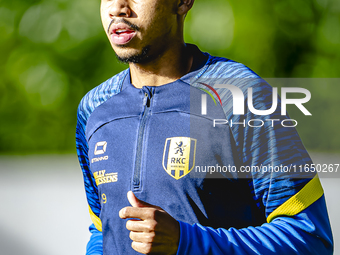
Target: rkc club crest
(179, 156)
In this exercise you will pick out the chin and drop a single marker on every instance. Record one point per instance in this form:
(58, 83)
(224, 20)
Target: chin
(132, 56)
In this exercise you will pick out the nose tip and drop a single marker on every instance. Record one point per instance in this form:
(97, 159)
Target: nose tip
(120, 10)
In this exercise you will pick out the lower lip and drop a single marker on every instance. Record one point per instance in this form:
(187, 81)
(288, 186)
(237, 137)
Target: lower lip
(122, 38)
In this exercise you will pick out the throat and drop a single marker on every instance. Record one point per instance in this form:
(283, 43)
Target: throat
(160, 71)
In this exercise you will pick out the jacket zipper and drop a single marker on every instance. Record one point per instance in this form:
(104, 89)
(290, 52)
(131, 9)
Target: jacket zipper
(136, 184)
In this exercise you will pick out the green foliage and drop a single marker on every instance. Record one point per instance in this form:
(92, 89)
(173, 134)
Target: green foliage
(53, 51)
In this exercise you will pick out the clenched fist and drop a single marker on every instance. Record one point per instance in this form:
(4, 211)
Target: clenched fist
(156, 232)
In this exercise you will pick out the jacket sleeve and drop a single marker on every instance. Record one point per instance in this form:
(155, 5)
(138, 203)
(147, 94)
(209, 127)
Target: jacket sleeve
(95, 245)
(294, 203)
(307, 232)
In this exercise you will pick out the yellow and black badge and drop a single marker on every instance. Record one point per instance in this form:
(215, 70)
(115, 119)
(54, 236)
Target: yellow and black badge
(179, 156)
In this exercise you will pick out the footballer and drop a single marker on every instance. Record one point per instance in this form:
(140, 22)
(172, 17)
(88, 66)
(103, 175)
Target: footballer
(142, 133)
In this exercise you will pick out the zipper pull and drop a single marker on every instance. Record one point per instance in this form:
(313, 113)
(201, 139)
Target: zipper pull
(145, 99)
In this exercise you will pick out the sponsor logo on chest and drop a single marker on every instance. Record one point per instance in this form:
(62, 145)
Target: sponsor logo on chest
(102, 178)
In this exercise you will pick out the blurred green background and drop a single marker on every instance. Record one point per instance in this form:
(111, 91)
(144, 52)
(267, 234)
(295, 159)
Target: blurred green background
(53, 51)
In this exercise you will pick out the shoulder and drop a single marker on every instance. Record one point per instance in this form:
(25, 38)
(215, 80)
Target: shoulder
(219, 67)
(223, 71)
(229, 79)
(100, 94)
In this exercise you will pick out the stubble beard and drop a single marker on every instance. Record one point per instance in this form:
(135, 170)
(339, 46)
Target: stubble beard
(141, 57)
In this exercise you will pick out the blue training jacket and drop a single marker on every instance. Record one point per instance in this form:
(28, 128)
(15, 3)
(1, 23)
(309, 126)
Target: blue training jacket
(158, 142)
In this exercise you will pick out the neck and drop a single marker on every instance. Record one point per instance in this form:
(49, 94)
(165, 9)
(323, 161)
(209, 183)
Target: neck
(171, 65)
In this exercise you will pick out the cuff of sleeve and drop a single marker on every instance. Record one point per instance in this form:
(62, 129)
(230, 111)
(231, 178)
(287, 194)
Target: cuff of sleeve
(95, 245)
(184, 240)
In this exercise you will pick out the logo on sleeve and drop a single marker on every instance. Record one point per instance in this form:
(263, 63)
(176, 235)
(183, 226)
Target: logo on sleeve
(179, 156)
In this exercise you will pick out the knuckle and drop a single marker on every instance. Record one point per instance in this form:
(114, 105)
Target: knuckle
(151, 226)
(144, 248)
(151, 213)
(154, 225)
(151, 237)
(148, 227)
(147, 248)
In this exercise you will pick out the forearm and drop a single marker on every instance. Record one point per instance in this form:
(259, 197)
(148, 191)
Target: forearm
(306, 233)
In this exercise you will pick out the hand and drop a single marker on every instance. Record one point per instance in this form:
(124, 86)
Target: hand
(156, 232)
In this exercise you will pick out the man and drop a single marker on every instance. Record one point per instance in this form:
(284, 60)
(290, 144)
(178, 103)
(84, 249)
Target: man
(144, 133)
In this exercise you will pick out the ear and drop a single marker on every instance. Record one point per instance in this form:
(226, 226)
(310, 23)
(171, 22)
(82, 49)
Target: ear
(184, 6)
